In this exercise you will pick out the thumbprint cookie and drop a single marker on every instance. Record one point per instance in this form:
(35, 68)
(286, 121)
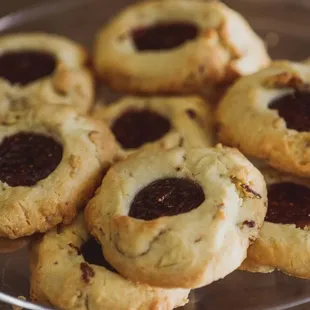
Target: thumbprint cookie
(68, 271)
(178, 218)
(283, 242)
(166, 122)
(40, 68)
(51, 161)
(176, 46)
(267, 115)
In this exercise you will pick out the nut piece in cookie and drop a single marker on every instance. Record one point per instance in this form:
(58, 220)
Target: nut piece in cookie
(283, 242)
(51, 161)
(39, 68)
(69, 271)
(164, 122)
(267, 115)
(178, 218)
(176, 46)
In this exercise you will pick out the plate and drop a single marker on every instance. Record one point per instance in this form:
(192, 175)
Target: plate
(284, 26)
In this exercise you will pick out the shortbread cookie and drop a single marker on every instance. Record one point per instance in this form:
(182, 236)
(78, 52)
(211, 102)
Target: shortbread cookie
(39, 68)
(266, 115)
(178, 218)
(176, 46)
(165, 122)
(283, 242)
(69, 271)
(51, 161)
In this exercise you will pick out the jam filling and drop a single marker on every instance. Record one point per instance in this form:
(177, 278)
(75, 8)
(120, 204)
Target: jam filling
(288, 203)
(166, 197)
(26, 158)
(137, 127)
(92, 253)
(24, 67)
(294, 108)
(163, 36)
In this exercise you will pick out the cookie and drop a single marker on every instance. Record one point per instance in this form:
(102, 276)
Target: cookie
(69, 271)
(283, 240)
(178, 218)
(51, 161)
(39, 69)
(266, 115)
(165, 122)
(176, 46)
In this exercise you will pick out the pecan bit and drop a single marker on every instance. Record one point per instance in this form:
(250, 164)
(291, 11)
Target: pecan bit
(244, 190)
(248, 189)
(286, 80)
(250, 224)
(87, 272)
(75, 248)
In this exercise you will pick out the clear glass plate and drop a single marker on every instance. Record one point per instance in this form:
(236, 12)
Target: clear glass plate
(284, 26)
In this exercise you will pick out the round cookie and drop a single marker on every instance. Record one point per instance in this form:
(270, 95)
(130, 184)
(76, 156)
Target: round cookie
(165, 122)
(69, 272)
(178, 218)
(40, 68)
(267, 115)
(176, 46)
(51, 161)
(283, 240)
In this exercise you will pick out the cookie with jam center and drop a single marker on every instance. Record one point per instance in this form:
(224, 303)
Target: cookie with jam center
(69, 271)
(41, 69)
(267, 115)
(165, 122)
(176, 46)
(178, 218)
(51, 161)
(283, 240)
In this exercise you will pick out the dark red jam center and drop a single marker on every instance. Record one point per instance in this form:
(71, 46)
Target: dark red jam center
(166, 197)
(26, 158)
(137, 127)
(288, 203)
(24, 67)
(294, 108)
(163, 36)
(92, 253)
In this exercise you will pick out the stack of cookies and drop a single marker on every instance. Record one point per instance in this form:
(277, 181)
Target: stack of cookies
(133, 204)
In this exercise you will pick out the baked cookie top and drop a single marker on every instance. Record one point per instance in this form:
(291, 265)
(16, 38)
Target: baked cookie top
(51, 160)
(267, 115)
(283, 240)
(69, 271)
(40, 68)
(178, 218)
(176, 46)
(165, 122)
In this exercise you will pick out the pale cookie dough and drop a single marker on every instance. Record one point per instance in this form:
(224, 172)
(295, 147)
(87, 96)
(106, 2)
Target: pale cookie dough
(69, 272)
(165, 122)
(51, 161)
(266, 115)
(176, 46)
(283, 242)
(40, 69)
(178, 218)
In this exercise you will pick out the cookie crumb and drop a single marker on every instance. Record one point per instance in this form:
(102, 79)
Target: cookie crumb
(14, 307)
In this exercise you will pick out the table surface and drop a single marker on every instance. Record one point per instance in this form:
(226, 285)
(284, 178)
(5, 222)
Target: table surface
(10, 6)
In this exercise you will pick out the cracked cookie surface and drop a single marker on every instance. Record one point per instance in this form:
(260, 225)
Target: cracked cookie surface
(42, 69)
(283, 242)
(69, 271)
(176, 46)
(51, 160)
(164, 122)
(266, 115)
(178, 218)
